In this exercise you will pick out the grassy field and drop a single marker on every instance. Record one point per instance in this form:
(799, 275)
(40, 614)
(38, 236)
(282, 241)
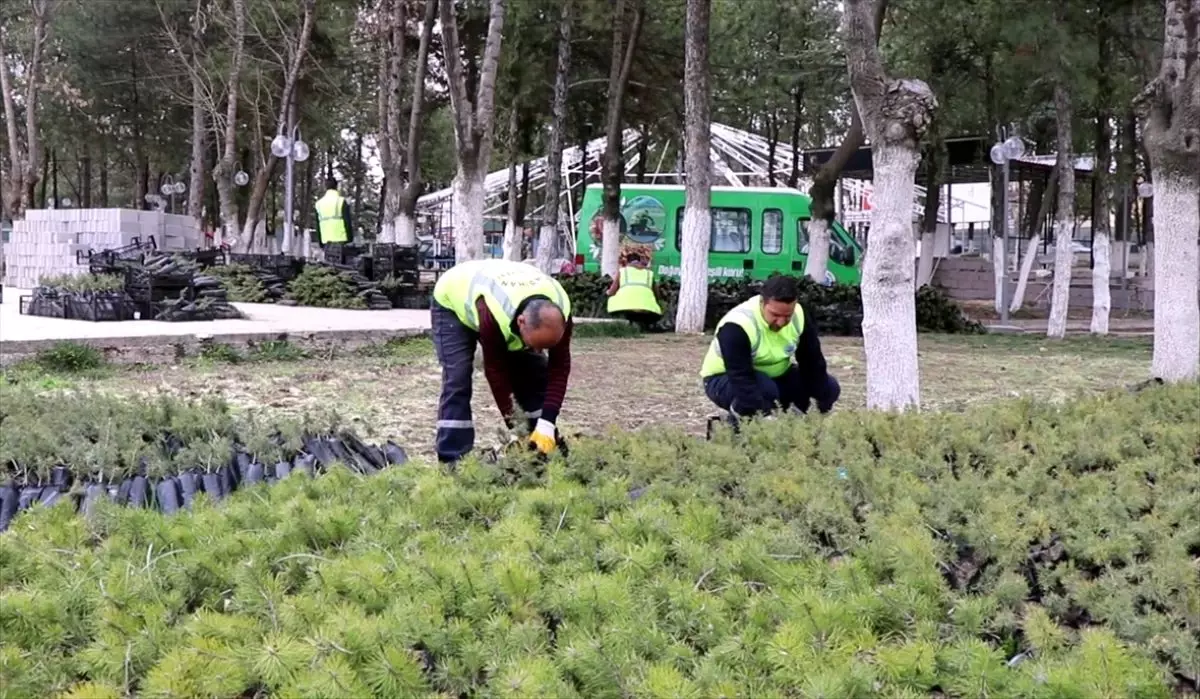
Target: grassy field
(617, 383)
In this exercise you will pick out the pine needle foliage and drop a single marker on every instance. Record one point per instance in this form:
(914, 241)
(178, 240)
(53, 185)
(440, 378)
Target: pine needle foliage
(1021, 550)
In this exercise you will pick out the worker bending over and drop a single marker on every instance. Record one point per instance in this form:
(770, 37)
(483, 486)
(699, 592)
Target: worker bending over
(749, 367)
(514, 311)
(631, 295)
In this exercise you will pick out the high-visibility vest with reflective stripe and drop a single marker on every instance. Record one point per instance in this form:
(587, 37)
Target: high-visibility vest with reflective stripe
(504, 285)
(330, 223)
(772, 349)
(635, 293)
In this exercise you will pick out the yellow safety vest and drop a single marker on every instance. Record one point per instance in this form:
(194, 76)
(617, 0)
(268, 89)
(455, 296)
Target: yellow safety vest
(504, 285)
(636, 292)
(772, 349)
(330, 223)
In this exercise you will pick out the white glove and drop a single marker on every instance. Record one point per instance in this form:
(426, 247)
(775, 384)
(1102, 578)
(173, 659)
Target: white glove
(543, 436)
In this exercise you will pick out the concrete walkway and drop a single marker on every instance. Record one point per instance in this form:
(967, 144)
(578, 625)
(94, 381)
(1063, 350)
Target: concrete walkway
(261, 319)
(1037, 326)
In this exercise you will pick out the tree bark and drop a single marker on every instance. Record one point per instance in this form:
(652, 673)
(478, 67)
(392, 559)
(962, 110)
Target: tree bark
(1045, 195)
(895, 114)
(391, 65)
(934, 170)
(195, 204)
(797, 112)
(472, 126)
(1171, 105)
(697, 215)
(816, 265)
(223, 172)
(25, 156)
(548, 235)
(406, 222)
(1064, 220)
(613, 166)
(1101, 188)
(511, 248)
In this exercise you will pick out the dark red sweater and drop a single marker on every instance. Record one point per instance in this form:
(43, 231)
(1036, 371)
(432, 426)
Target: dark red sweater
(495, 368)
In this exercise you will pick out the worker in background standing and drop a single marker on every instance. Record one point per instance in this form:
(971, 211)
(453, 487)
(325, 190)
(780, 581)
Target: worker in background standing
(766, 355)
(515, 312)
(333, 216)
(631, 295)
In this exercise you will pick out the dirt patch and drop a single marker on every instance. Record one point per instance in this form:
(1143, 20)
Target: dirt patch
(635, 383)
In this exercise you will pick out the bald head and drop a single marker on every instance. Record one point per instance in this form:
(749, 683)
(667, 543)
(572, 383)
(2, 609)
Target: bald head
(542, 324)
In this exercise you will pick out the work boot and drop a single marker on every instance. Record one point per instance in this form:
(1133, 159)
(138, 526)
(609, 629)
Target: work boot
(727, 418)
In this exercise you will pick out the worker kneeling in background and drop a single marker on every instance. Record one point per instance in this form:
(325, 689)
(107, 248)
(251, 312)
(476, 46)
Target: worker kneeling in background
(631, 295)
(515, 312)
(749, 367)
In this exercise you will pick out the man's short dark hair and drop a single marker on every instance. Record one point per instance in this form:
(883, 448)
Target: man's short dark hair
(633, 257)
(330, 183)
(534, 310)
(780, 288)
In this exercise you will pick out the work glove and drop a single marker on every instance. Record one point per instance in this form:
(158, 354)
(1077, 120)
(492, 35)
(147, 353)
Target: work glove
(543, 437)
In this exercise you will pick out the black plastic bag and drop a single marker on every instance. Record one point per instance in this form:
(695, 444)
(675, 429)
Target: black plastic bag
(50, 495)
(139, 492)
(366, 452)
(213, 485)
(122, 491)
(394, 453)
(254, 473)
(320, 451)
(228, 482)
(60, 477)
(29, 495)
(282, 469)
(91, 495)
(9, 498)
(189, 485)
(167, 492)
(241, 463)
(351, 457)
(306, 463)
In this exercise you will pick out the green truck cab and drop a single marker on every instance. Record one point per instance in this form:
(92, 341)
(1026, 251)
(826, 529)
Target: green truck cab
(756, 232)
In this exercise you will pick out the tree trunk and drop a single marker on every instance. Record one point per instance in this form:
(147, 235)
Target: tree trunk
(85, 179)
(697, 216)
(772, 146)
(1101, 189)
(1045, 194)
(1126, 160)
(933, 201)
(25, 157)
(643, 152)
(1172, 107)
(406, 221)
(224, 171)
(511, 247)
(895, 114)
(797, 111)
(16, 150)
(613, 165)
(548, 235)
(391, 66)
(195, 205)
(472, 126)
(1064, 220)
(816, 265)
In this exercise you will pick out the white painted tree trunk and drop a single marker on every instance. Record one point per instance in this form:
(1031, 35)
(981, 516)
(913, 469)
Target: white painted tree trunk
(693, 288)
(999, 269)
(1064, 261)
(387, 228)
(467, 206)
(512, 240)
(818, 250)
(1176, 279)
(405, 230)
(1101, 294)
(545, 249)
(610, 249)
(1018, 299)
(889, 305)
(925, 263)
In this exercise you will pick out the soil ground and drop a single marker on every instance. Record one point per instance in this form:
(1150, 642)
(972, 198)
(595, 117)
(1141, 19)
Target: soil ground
(627, 383)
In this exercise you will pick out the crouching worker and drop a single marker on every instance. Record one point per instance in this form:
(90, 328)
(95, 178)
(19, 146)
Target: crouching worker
(631, 295)
(749, 369)
(515, 312)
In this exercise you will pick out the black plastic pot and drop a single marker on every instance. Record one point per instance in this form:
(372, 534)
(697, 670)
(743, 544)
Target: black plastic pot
(92, 495)
(29, 495)
(282, 469)
(50, 495)
(228, 482)
(306, 463)
(254, 473)
(320, 450)
(371, 453)
(241, 463)
(189, 485)
(167, 493)
(122, 494)
(139, 492)
(351, 457)
(9, 498)
(60, 477)
(213, 484)
(394, 453)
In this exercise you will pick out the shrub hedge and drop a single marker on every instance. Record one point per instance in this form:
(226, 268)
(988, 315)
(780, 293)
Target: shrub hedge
(1019, 550)
(838, 308)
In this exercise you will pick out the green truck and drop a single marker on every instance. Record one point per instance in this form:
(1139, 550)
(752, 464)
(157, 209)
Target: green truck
(756, 232)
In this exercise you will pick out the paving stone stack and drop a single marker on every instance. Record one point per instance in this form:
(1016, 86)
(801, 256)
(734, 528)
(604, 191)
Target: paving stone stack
(47, 241)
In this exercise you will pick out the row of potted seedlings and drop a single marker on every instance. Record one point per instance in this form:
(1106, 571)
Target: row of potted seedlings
(214, 475)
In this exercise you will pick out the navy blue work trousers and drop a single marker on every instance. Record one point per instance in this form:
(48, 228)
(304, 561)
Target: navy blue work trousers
(454, 344)
(786, 391)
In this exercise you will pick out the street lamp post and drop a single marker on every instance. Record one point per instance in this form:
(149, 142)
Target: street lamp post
(1001, 154)
(293, 150)
(170, 188)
